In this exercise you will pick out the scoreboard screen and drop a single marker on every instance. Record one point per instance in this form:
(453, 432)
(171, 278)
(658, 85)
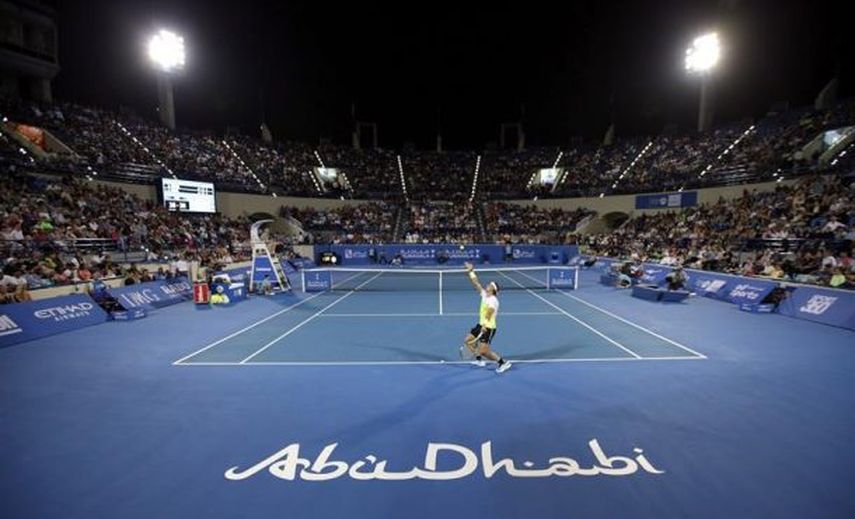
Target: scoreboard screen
(188, 196)
(548, 176)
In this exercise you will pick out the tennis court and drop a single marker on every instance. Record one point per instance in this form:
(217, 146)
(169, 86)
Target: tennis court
(338, 404)
(410, 317)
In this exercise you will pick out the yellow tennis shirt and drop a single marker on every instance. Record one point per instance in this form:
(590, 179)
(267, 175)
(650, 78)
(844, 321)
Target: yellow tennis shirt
(488, 301)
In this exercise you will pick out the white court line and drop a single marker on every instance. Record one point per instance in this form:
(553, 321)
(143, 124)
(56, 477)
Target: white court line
(440, 293)
(508, 313)
(251, 326)
(310, 318)
(430, 362)
(447, 314)
(571, 316)
(642, 328)
(619, 318)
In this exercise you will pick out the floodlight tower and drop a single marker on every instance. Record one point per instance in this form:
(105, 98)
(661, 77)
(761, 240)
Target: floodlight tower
(701, 58)
(166, 51)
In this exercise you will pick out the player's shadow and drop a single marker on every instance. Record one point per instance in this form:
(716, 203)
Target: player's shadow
(441, 388)
(404, 353)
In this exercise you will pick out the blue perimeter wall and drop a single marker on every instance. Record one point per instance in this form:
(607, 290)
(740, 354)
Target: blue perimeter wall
(418, 254)
(823, 305)
(21, 322)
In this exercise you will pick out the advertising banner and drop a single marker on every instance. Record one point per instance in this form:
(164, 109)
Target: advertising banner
(22, 322)
(749, 290)
(316, 280)
(654, 274)
(154, 294)
(419, 254)
(708, 284)
(834, 307)
(262, 267)
(667, 200)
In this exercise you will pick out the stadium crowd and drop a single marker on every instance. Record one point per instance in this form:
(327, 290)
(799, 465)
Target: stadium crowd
(372, 173)
(285, 167)
(443, 222)
(511, 223)
(364, 223)
(439, 176)
(506, 174)
(57, 232)
(803, 233)
(106, 139)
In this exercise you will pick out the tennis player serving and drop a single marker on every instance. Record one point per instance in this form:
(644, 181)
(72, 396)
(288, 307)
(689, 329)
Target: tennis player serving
(479, 338)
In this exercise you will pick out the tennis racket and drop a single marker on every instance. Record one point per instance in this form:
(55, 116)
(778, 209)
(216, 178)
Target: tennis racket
(466, 353)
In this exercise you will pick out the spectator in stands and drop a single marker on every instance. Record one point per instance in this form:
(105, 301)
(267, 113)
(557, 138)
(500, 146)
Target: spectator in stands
(13, 287)
(363, 223)
(739, 152)
(44, 219)
(838, 278)
(716, 236)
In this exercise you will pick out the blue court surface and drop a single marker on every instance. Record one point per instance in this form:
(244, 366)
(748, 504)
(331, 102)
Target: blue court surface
(356, 404)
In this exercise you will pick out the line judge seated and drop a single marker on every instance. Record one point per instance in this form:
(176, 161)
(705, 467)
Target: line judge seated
(219, 297)
(676, 279)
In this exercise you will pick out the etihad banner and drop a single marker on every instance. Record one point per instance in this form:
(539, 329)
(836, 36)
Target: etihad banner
(22, 322)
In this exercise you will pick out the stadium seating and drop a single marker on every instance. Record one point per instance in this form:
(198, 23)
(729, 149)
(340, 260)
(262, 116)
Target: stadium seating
(57, 232)
(364, 223)
(510, 223)
(802, 233)
(115, 143)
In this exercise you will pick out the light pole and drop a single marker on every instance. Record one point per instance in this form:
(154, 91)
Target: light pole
(701, 58)
(166, 51)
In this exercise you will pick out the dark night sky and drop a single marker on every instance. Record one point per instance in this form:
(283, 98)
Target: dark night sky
(409, 65)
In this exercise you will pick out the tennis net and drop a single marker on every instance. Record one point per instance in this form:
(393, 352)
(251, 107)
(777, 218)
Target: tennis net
(393, 280)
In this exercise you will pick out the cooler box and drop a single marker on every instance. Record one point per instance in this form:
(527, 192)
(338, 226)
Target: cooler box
(674, 296)
(201, 293)
(608, 280)
(648, 292)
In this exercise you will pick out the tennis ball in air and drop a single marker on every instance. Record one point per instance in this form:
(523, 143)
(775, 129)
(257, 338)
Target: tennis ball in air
(462, 247)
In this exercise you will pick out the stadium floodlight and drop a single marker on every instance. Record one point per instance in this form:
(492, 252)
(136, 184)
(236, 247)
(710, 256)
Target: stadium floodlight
(166, 50)
(704, 53)
(701, 58)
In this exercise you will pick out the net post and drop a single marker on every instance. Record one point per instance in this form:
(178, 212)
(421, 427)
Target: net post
(303, 279)
(549, 278)
(576, 279)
